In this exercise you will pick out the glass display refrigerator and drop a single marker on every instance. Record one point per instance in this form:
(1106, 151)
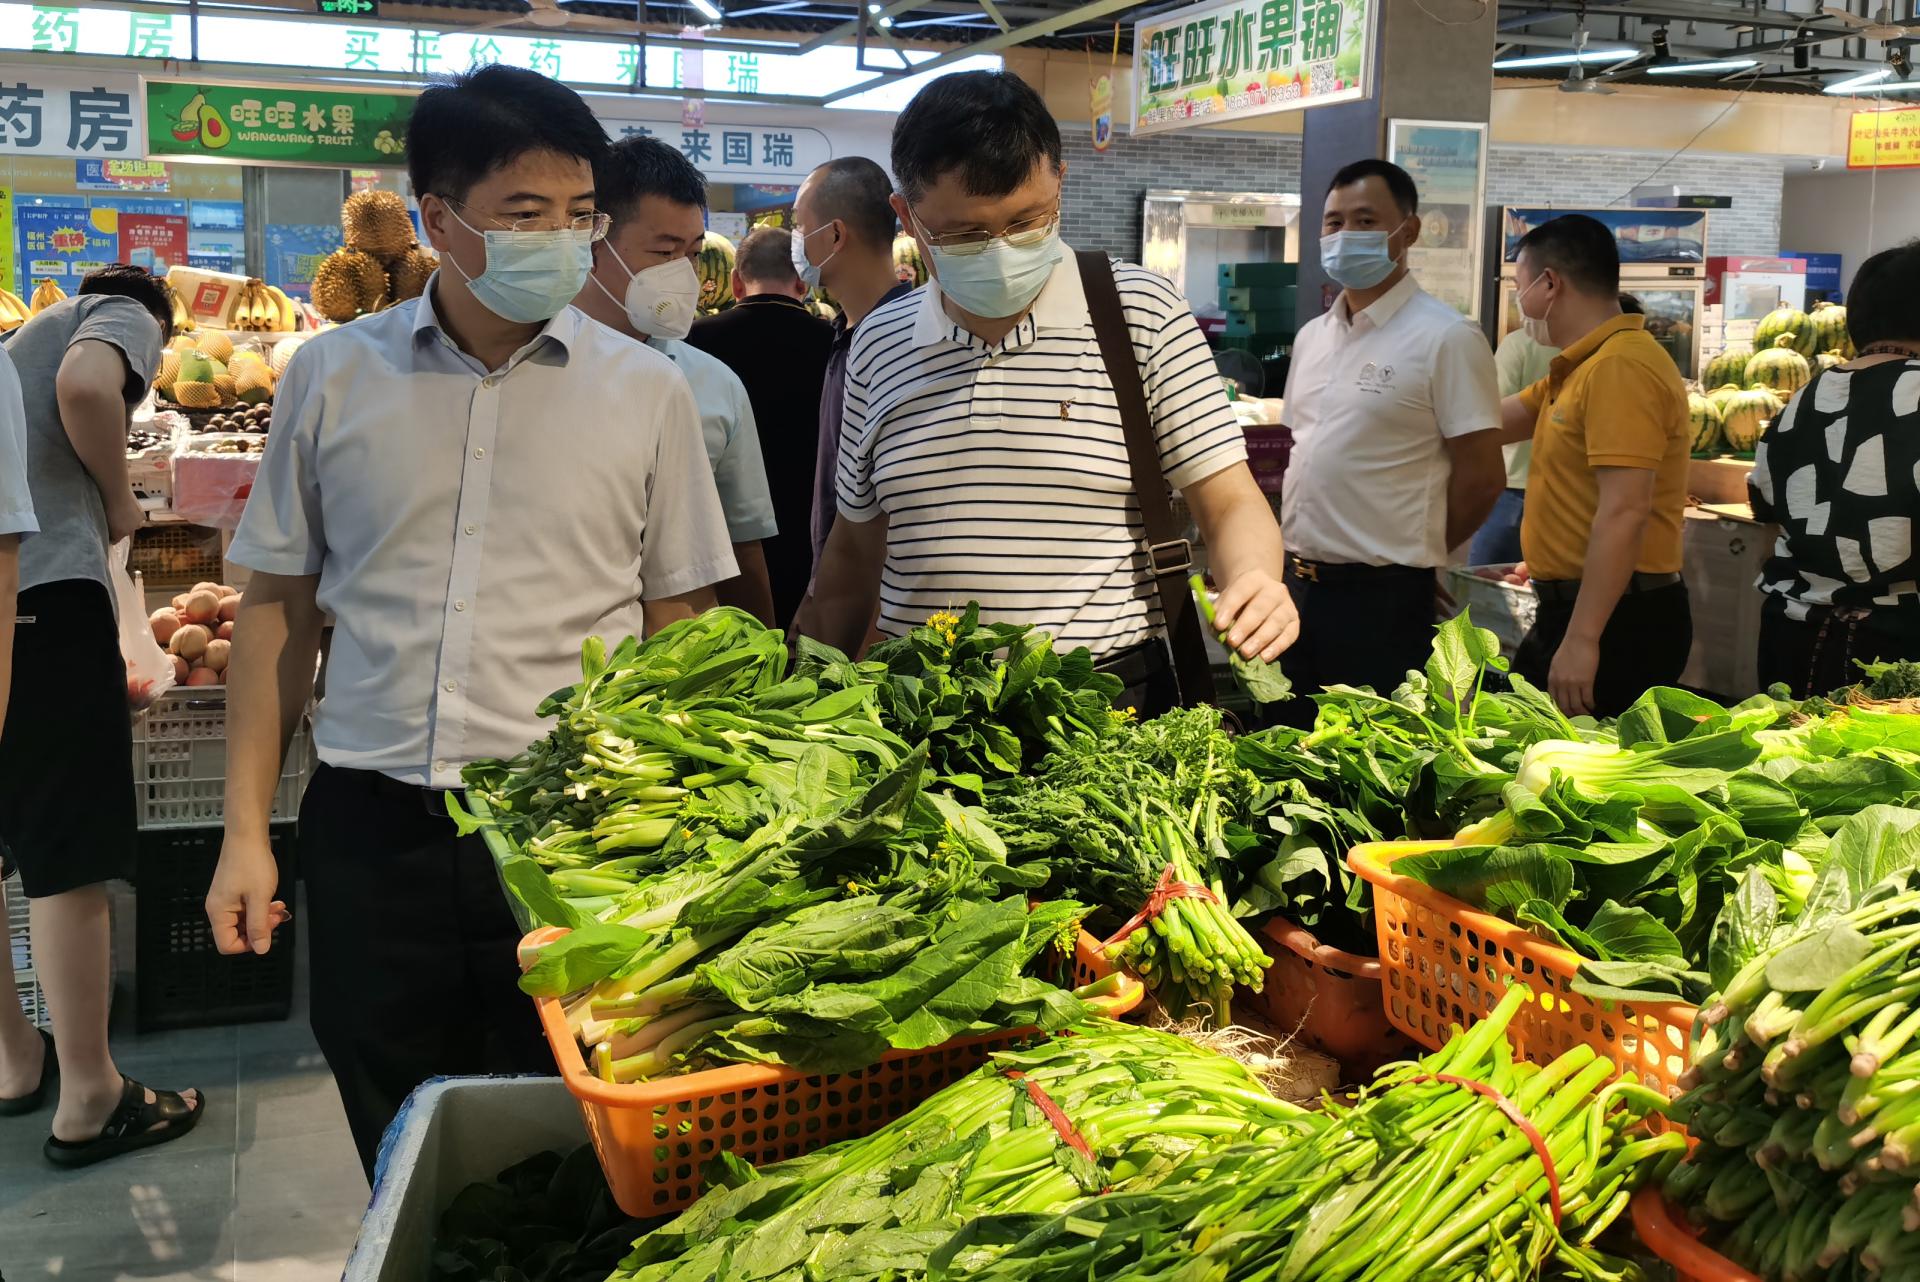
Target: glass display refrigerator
(1188, 235)
(1663, 263)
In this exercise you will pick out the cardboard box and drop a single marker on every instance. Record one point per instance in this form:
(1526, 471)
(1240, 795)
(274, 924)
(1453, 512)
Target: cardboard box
(211, 297)
(1718, 480)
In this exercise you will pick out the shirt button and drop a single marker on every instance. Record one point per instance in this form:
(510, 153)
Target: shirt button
(492, 380)
(459, 606)
(439, 767)
(479, 452)
(451, 686)
(470, 529)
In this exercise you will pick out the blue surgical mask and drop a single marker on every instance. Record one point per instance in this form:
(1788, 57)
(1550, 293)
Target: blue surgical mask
(1357, 259)
(530, 276)
(999, 281)
(809, 272)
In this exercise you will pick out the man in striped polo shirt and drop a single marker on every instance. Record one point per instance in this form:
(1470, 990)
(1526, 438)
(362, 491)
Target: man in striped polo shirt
(982, 455)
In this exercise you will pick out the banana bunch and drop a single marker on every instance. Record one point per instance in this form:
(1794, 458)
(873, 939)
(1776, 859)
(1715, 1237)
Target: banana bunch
(46, 295)
(183, 321)
(13, 311)
(263, 308)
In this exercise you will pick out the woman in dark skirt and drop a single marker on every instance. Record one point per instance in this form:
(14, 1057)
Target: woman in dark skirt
(67, 382)
(1839, 472)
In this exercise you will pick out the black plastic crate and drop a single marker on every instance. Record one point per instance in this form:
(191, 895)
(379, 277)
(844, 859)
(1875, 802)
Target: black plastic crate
(180, 980)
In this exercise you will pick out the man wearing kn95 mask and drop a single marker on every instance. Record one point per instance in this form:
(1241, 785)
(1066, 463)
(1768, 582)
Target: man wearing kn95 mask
(643, 284)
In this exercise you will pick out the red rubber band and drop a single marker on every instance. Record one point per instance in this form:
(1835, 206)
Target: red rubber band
(1054, 1114)
(1519, 1119)
(1164, 892)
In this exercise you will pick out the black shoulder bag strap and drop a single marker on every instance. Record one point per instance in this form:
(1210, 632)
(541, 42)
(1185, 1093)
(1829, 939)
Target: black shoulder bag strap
(1169, 554)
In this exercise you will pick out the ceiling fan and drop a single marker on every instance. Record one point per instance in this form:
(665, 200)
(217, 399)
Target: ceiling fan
(540, 13)
(1881, 26)
(1577, 80)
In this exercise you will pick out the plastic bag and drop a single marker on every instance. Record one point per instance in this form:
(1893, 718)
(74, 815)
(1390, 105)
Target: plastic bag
(150, 671)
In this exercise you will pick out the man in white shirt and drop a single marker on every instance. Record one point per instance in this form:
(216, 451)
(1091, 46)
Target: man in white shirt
(1394, 408)
(644, 285)
(982, 456)
(470, 483)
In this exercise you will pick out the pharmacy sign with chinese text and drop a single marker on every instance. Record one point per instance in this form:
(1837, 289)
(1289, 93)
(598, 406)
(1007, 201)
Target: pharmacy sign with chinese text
(269, 124)
(1888, 139)
(1215, 63)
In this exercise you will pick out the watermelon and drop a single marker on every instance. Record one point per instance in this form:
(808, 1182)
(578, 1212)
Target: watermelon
(715, 269)
(1730, 366)
(1827, 360)
(1829, 321)
(1785, 320)
(1706, 424)
(1781, 366)
(1745, 415)
(907, 267)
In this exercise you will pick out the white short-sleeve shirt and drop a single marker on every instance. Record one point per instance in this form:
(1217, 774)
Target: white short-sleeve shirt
(471, 528)
(1371, 400)
(1002, 469)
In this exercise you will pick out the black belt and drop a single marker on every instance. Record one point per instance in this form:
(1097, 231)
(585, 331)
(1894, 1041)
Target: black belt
(432, 800)
(1347, 571)
(1557, 591)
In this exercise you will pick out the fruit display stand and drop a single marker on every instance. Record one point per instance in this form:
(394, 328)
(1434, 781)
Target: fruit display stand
(451, 1133)
(1448, 964)
(1719, 480)
(652, 1137)
(171, 555)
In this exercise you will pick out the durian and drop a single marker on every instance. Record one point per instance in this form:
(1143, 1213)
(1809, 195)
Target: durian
(407, 274)
(347, 283)
(376, 222)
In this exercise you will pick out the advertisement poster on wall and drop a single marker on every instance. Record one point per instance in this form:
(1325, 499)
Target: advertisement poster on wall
(294, 253)
(276, 124)
(1448, 163)
(1211, 64)
(156, 242)
(62, 113)
(63, 245)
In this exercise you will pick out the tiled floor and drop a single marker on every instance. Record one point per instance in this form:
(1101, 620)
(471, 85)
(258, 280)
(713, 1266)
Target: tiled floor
(266, 1189)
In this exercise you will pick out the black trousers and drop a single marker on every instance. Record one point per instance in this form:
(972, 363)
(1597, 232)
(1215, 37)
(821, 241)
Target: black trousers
(1817, 655)
(1644, 644)
(413, 949)
(1146, 673)
(1358, 627)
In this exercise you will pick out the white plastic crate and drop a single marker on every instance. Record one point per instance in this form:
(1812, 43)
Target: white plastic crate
(180, 762)
(1505, 609)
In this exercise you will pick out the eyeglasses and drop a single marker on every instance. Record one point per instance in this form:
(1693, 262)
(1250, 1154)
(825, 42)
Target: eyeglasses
(594, 224)
(1022, 235)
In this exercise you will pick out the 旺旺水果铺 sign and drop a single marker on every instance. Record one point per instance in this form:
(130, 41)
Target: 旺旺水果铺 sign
(1215, 63)
(1884, 139)
(287, 124)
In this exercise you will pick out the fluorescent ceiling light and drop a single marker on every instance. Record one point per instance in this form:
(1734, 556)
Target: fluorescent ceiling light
(706, 9)
(1859, 82)
(1701, 68)
(1870, 91)
(1563, 59)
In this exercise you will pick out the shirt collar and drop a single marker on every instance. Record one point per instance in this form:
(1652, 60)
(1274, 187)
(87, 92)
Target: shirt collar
(1380, 312)
(1573, 357)
(770, 300)
(563, 329)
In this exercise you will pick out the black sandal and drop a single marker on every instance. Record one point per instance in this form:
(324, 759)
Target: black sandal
(135, 1124)
(21, 1105)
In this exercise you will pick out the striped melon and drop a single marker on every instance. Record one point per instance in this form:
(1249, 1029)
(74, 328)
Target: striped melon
(907, 267)
(1785, 320)
(1827, 360)
(1781, 367)
(1706, 423)
(715, 268)
(1829, 321)
(1745, 415)
(1730, 366)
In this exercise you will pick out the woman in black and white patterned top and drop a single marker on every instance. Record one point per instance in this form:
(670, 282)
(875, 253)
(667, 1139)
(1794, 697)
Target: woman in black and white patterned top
(1839, 471)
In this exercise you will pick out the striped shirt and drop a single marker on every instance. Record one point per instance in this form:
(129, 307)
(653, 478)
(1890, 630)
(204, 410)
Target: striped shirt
(1002, 469)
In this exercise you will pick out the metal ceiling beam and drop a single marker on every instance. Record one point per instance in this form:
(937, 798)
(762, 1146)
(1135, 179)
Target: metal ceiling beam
(992, 10)
(1686, 11)
(1019, 35)
(1697, 53)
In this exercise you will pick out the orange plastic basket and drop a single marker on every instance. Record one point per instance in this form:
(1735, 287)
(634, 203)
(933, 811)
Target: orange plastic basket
(1671, 1238)
(1329, 999)
(1449, 964)
(652, 1137)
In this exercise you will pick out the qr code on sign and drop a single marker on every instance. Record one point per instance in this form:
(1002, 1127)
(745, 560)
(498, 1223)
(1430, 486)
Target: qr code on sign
(1320, 75)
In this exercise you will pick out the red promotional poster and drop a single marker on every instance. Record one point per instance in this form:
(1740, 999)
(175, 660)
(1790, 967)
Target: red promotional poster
(153, 241)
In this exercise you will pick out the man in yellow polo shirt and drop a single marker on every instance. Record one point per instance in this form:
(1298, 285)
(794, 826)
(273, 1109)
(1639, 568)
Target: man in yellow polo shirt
(1608, 486)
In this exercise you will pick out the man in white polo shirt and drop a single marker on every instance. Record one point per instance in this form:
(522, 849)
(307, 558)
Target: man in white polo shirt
(982, 456)
(1394, 406)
